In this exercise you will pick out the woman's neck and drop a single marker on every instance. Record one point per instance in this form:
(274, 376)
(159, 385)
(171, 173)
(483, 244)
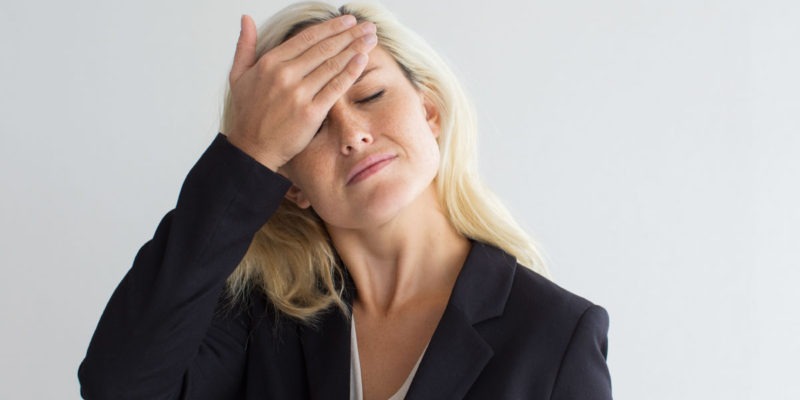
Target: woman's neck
(417, 255)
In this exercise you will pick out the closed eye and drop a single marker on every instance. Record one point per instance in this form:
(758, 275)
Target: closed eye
(371, 98)
(362, 101)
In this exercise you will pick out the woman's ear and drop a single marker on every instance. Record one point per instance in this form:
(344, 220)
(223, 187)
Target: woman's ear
(431, 114)
(296, 196)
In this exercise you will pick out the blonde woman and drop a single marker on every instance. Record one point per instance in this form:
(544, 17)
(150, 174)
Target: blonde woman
(334, 242)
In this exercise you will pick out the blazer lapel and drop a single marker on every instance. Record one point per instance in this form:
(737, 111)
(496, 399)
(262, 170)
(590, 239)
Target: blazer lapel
(457, 353)
(455, 357)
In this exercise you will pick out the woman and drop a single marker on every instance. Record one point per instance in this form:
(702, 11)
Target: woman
(336, 243)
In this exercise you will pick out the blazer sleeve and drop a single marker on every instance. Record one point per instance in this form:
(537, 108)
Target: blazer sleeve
(583, 373)
(163, 333)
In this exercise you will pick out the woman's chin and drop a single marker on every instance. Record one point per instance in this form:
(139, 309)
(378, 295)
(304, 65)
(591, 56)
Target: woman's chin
(381, 208)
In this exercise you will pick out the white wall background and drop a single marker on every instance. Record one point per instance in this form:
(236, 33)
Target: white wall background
(652, 147)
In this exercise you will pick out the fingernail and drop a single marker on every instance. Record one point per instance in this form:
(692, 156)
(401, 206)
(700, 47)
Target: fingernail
(348, 20)
(370, 39)
(370, 27)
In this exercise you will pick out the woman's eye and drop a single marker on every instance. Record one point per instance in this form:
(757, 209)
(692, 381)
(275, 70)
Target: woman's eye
(372, 97)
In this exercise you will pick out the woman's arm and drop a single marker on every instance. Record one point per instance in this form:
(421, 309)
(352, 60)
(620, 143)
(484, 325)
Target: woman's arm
(583, 373)
(158, 336)
(156, 333)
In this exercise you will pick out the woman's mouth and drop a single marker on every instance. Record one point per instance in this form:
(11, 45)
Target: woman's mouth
(368, 167)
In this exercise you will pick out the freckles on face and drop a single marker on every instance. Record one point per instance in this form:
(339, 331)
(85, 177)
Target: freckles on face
(382, 113)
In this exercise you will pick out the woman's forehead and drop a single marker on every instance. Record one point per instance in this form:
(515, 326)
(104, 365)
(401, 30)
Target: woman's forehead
(378, 56)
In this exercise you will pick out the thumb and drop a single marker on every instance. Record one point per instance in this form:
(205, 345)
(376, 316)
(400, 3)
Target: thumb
(245, 56)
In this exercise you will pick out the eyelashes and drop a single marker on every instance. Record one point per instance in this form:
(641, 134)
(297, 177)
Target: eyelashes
(372, 97)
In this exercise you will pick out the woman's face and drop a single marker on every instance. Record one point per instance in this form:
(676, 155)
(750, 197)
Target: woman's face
(384, 116)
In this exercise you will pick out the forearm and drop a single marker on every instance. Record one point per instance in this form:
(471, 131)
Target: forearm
(159, 314)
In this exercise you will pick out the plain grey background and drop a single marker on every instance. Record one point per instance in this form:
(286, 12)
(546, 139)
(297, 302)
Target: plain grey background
(651, 147)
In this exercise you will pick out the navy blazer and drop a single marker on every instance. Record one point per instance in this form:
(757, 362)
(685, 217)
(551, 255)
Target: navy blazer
(506, 333)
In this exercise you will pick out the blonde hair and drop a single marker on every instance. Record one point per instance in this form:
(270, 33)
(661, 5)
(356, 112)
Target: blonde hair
(291, 257)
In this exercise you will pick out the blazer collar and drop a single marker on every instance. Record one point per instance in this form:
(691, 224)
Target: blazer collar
(456, 353)
(484, 283)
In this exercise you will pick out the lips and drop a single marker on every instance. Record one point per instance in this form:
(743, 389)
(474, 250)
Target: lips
(366, 163)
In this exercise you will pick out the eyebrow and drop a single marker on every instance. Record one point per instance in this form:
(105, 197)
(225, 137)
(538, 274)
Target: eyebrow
(363, 74)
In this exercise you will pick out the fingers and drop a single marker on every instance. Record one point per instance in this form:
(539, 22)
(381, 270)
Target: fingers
(330, 68)
(312, 35)
(326, 51)
(245, 56)
(337, 86)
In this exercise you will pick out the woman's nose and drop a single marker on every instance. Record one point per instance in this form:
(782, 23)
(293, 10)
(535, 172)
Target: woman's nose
(355, 141)
(353, 134)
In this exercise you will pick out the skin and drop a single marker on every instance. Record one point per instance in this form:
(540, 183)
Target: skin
(301, 115)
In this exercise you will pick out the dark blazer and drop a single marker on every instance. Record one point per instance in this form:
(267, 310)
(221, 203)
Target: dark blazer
(506, 333)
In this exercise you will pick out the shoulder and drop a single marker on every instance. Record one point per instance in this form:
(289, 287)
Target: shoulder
(545, 330)
(530, 289)
(529, 305)
(565, 333)
(536, 301)
(494, 286)
(568, 332)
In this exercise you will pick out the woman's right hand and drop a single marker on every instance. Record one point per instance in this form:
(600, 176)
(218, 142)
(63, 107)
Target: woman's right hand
(279, 101)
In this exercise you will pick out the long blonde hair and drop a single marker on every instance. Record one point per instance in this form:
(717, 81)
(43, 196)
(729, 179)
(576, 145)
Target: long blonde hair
(292, 258)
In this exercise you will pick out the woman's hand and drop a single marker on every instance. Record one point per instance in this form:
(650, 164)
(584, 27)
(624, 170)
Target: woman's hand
(279, 100)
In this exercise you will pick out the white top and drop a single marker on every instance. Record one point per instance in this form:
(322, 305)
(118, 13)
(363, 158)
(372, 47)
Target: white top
(356, 388)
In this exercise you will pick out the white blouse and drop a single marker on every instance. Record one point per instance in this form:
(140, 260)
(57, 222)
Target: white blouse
(356, 388)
